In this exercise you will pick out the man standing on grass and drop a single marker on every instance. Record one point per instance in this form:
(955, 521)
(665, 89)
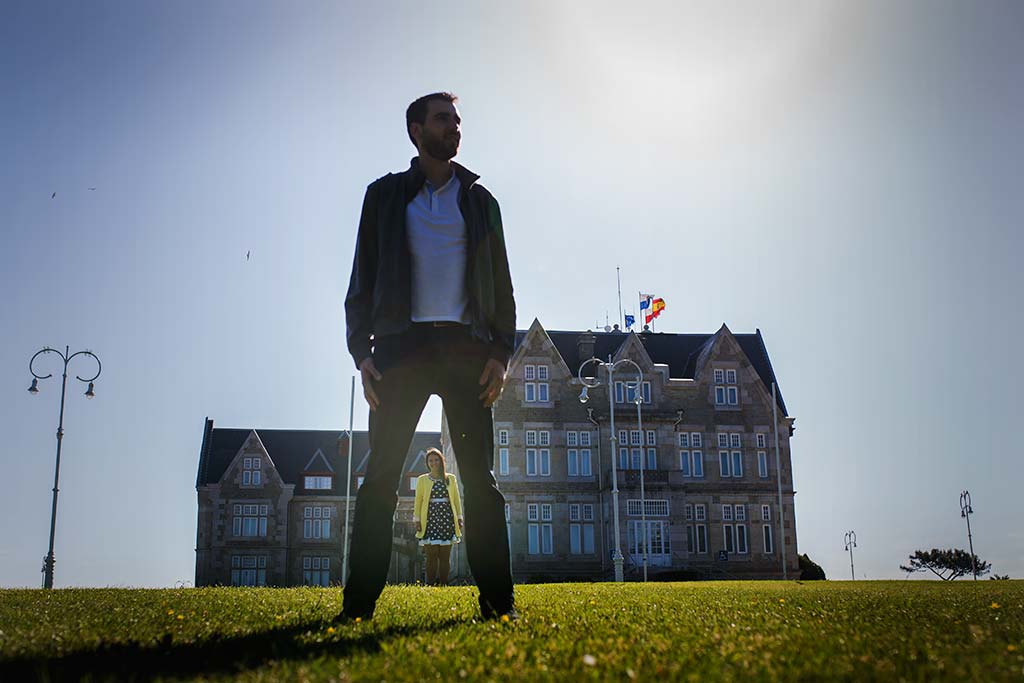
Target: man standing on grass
(430, 310)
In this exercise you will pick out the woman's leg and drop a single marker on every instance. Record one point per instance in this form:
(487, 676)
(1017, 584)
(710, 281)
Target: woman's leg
(431, 553)
(444, 557)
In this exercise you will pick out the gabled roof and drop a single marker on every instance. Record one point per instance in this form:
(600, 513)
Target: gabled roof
(678, 351)
(292, 449)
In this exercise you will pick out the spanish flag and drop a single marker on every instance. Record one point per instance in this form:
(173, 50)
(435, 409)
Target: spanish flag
(657, 306)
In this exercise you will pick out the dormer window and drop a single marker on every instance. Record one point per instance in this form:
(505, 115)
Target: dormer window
(726, 388)
(318, 482)
(536, 388)
(251, 473)
(625, 392)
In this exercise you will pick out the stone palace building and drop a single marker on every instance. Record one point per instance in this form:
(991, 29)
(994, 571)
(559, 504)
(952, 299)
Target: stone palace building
(272, 502)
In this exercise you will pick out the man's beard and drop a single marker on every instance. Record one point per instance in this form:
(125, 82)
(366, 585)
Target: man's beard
(442, 149)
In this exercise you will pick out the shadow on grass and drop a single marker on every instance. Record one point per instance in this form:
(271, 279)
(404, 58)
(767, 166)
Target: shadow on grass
(143, 662)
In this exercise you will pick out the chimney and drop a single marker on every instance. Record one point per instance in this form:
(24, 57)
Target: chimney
(585, 345)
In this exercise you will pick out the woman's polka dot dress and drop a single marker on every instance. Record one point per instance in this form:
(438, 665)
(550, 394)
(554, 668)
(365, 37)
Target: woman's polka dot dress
(440, 521)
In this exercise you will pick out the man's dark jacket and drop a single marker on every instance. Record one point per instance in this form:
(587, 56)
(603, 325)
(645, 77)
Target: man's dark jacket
(379, 299)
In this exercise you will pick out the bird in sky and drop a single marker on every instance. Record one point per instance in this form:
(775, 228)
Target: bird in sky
(92, 189)
(247, 254)
(53, 196)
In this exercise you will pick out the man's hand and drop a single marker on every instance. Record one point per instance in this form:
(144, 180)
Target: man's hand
(369, 374)
(493, 377)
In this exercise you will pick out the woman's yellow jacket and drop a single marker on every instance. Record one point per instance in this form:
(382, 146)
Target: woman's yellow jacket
(419, 510)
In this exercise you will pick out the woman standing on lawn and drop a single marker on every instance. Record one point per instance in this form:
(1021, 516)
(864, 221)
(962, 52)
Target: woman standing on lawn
(438, 514)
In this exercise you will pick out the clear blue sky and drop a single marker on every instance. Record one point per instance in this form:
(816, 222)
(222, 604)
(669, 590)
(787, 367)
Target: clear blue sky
(844, 176)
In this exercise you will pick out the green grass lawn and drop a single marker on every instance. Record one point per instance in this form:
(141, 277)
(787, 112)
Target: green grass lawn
(733, 631)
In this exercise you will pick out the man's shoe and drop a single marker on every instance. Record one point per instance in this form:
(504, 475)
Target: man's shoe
(487, 611)
(351, 616)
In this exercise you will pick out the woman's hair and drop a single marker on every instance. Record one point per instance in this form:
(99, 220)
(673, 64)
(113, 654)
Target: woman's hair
(439, 454)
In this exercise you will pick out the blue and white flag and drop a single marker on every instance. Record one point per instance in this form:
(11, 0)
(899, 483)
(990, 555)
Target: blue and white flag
(630, 321)
(645, 301)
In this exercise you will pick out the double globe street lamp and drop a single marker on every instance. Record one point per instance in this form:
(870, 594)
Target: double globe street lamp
(610, 367)
(49, 561)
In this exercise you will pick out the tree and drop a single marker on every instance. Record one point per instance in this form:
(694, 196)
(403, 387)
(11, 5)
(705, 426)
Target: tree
(810, 570)
(945, 564)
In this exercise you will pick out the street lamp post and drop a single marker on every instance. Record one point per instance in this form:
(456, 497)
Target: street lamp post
(609, 367)
(49, 561)
(966, 511)
(851, 542)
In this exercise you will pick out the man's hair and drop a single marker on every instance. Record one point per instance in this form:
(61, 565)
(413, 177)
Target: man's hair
(434, 451)
(417, 111)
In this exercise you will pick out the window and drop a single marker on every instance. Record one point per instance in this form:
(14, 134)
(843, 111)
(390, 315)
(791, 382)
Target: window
(719, 376)
(625, 392)
(762, 440)
(688, 508)
(581, 539)
(573, 457)
(652, 458)
(702, 538)
(623, 458)
(571, 439)
(531, 392)
(251, 473)
(724, 469)
(729, 537)
(684, 440)
(574, 512)
(766, 513)
(249, 521)
(730, 377)
(542, 373)
(726, 391)
(532, 512)
(316, 571)
(588, 512)
(533, 538)
(316, 521)
(248, 570)
(634, 454)
(619, 396)
(542, 392)
(585, 439)
(737, 463)
(762, 464)
(727, 513)
(657, 536)
(700, 512)
(546, 540)
(652, 437)
(545, 512)
(696, 440)
(634, 437)
(732, 395)
(585, 469)
(691, 463)
(531, 462)
(719, 396)
(545, 438)
(696, 538)
(734, 440)
(531, 437)
(502, 437)
(412, 483)
(530, 372)
(646, 392)
(318, 483)
(735, 536)
(359, 482)
(741, 539)
(503, 461)
(768, 547)
(654, 508)
(740, 513)
(723, 440)
(623, 437)
(545, 462)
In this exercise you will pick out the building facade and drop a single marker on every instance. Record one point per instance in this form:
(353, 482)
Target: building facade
(718, 492)
(705, 447)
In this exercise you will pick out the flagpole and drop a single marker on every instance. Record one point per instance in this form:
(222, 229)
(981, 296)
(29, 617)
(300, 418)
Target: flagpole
(622, 313)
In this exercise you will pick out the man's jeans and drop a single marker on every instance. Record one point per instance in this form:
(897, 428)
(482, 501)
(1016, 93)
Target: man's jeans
(448, 362)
